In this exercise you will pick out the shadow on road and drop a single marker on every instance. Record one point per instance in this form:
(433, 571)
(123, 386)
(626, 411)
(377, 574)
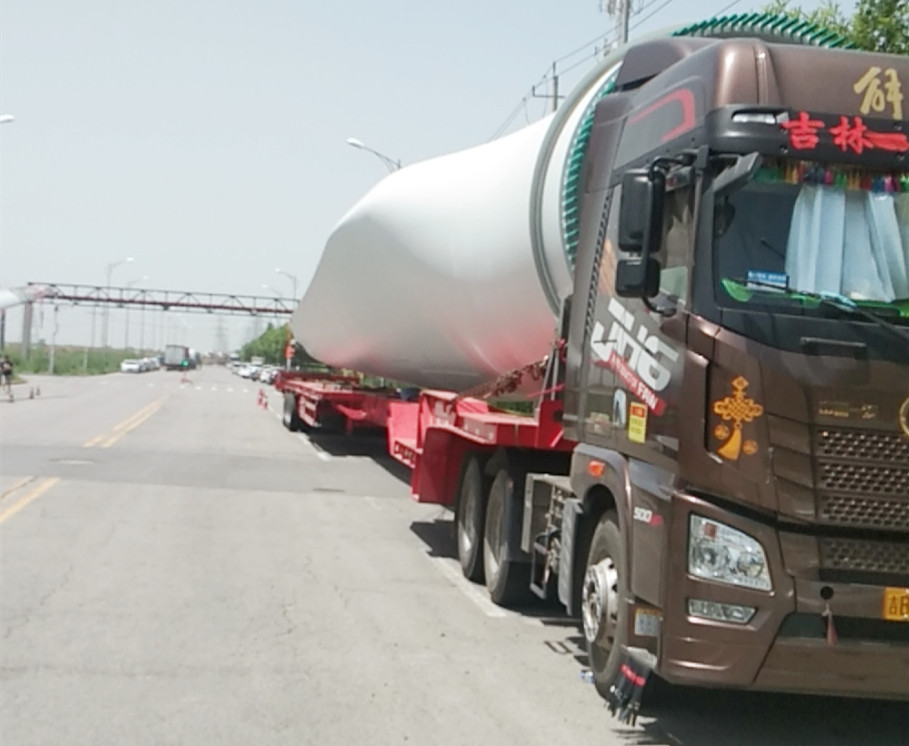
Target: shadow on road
(438, 536)
(693, 717)
(364, 444)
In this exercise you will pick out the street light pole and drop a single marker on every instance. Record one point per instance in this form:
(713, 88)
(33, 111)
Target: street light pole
(126, 330)
(110, 270)
(390, 163)
(293, 279)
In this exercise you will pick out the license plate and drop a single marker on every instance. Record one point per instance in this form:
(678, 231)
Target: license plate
(896, 604)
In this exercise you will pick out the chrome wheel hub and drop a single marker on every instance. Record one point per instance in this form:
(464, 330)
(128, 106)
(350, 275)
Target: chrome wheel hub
(599, 603)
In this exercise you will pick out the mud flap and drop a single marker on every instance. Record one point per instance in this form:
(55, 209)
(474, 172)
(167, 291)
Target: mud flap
(627, 689)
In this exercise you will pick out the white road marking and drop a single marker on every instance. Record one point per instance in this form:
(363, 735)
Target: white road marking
(229, 388)
(198, 388)
(452, 571)
(373, 502)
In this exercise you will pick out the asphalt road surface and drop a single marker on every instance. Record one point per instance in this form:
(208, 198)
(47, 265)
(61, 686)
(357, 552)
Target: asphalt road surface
(179, 569)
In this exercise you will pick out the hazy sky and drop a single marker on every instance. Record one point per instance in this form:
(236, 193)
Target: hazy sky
(206, 139)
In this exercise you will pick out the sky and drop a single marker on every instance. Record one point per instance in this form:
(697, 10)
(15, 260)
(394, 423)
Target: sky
(206, 139)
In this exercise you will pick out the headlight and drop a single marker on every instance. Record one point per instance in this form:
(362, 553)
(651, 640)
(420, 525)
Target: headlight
(725, 554)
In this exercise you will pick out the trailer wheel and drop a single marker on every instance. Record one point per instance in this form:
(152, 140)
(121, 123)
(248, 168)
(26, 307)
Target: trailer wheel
(291, 419)
(508, 581)
(601, 597)
(470, 516)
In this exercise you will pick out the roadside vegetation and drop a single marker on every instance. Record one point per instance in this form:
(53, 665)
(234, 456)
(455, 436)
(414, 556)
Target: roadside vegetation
(68, 360)
(875, 26)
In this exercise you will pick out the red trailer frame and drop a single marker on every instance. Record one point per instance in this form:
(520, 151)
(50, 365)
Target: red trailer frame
(430, 435)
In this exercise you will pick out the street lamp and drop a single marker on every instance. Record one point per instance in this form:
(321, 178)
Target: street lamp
(110, 270)
(270, 289)
(126, 330)
(390, 163)
(293, 279)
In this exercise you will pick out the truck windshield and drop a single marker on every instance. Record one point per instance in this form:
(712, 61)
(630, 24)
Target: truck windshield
(798, 230)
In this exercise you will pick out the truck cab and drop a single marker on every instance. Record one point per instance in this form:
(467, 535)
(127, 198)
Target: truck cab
(738, 371)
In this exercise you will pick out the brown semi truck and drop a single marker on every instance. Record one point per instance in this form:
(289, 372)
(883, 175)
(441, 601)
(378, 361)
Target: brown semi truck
(738, 372)
(716, 474)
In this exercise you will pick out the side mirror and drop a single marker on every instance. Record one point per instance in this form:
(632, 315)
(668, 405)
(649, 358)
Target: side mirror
(640, 232)
(635, 278)
(634, 212)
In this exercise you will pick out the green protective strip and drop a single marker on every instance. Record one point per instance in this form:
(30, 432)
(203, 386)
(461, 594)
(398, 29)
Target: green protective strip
(778, 28)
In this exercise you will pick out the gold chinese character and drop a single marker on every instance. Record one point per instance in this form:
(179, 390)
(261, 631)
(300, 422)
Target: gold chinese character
(877, 96)
(894, 93)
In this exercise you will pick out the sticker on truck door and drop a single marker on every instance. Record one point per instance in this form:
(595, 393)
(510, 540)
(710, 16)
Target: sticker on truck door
(639, 359)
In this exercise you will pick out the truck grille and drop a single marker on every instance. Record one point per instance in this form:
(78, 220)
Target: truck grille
(861, 445)
(873, 480)
(862, 478)
(865, 556)
(864, 512)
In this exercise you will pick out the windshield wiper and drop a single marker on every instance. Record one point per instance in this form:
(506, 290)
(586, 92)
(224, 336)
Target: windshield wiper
(832, 300)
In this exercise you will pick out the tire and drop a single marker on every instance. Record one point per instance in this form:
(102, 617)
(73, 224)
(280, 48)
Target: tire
(508, 581)
(291, 419)
(602, 594)
(470, 519)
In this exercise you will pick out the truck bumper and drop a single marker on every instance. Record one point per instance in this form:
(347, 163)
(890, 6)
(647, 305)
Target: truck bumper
(786, 645)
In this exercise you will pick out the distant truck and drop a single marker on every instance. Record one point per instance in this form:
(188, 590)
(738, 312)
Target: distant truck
(177, 357)
(715, 477)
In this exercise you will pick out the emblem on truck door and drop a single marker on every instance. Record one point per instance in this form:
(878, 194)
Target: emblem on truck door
(737, 409)
(904, 417)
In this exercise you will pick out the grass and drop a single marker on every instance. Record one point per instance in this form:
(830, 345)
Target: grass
(68, 361)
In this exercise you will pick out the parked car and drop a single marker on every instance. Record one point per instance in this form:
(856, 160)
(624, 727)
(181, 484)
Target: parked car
(130, 366)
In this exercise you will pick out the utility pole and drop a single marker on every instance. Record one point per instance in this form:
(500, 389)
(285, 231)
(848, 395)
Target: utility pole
(626, 16)
(621, 10)
(555, 88)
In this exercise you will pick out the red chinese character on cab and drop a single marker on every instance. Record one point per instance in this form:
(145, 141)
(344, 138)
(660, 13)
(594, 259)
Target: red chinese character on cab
(852, 135)
(803, 131)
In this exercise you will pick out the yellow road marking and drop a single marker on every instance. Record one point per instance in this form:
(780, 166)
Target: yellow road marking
(39, 489)
(17, 486)
(141, 417)
(105, 440)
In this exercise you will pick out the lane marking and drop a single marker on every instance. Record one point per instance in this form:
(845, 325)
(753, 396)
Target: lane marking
(320, 454)
(104, 440)
(137, 420)
(479, 599)
(16, 486)
(39, 489)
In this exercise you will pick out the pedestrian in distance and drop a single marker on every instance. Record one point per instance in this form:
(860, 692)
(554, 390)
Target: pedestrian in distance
(6, 372)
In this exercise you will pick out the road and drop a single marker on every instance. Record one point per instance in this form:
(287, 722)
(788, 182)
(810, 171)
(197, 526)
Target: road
(179, 569)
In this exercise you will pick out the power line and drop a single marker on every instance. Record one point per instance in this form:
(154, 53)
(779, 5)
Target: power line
(648, 17)
(731, 5)
(608, 39)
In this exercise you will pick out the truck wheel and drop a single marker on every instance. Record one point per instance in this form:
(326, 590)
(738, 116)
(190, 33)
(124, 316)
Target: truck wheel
(601, 598)
(471, 513)
(508, 581)
(291, 419)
